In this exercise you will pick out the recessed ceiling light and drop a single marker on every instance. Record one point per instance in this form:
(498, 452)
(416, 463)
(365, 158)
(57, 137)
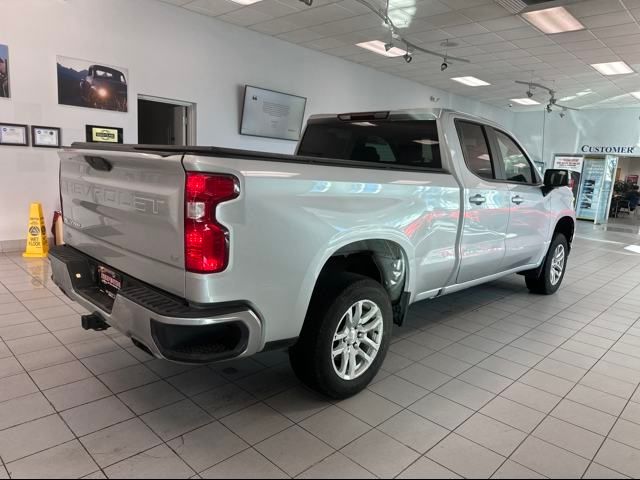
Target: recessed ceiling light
(525, 101)
(553, 20)
(569, 98)
(612, 68)
(378, 47)
(636, 94)
(246, 2)
(471, 81)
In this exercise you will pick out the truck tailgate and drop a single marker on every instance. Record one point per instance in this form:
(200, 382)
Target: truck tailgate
(126, 209)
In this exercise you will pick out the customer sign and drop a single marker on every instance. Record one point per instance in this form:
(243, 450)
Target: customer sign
(607, 149)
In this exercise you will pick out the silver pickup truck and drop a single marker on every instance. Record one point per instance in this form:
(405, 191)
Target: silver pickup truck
(203, 254)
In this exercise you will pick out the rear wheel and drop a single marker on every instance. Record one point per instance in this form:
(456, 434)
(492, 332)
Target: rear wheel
(553, 270)
(345, 337)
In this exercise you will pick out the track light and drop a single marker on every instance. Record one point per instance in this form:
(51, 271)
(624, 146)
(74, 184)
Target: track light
(562, 114)
(307, 2)
(549, 109)
(388, 46)
(529, 94)
(408, 57)
(444, 65)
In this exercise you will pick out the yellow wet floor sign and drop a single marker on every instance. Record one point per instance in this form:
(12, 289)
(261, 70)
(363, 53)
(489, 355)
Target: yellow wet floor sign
(37, 244)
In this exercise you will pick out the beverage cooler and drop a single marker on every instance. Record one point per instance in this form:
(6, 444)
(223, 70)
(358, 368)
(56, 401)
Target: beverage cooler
(596, 185)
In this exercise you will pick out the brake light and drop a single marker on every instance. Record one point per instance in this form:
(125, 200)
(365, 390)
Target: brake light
(206, 242)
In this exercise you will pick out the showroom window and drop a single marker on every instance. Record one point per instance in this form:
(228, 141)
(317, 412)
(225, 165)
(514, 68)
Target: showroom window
(402, 143)
(476, 149)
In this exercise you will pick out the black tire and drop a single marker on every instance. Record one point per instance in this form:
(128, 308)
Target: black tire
(312, 358)
(543, 283)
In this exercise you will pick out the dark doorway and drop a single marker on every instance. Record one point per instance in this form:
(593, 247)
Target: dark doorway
(163, 123)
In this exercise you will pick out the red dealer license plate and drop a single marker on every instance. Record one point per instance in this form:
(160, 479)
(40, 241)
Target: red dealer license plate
(109, 281)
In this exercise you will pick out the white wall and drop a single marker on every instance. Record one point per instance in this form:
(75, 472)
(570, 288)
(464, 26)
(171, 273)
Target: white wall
(169, 53)
(606, 127)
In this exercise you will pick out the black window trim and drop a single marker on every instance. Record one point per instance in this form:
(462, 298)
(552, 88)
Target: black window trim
(534, 172)
(496, 168)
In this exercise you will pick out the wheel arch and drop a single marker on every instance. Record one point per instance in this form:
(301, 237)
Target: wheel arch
(384, 260)
(567, 226)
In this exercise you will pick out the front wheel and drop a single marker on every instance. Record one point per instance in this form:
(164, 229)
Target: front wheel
(345, 337)
(553, 270)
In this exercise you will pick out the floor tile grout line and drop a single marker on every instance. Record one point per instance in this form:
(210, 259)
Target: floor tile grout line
(608, 435)
(548, 414)
(544, 418)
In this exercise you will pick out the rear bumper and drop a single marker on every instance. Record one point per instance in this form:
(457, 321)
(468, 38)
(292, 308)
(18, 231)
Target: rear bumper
(167, 326)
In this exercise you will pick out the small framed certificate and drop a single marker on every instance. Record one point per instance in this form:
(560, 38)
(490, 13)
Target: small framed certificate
(46, 137)
(15, 135)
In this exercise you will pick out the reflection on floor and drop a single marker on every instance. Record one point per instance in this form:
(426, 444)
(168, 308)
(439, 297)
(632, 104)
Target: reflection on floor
(488, 382)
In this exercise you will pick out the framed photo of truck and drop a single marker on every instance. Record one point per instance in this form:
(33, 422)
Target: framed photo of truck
(84, 83)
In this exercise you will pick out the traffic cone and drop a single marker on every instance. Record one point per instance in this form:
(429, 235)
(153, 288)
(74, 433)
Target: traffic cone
(37, 243)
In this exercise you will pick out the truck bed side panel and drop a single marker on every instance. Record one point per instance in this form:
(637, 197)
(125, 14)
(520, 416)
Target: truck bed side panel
(290, 218)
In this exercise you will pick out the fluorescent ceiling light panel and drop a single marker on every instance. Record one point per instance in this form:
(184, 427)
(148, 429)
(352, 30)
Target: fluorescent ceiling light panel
(612, 68)
(471, 81)
(525, 101)
(553, 20)
(246, 2)
(569, 98)
(377, 46)
(636, 94)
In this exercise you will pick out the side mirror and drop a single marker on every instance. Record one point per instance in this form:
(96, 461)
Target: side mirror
(556, 178)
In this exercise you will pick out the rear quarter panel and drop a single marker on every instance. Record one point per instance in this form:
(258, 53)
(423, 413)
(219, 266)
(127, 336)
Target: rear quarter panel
(290, 218)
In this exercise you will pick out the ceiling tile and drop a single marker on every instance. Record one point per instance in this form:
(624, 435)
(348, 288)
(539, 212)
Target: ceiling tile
(617, 31)
(482, 39)
(485, 12)
(212, 7)
(578, 46)
(504, 23)
(445, 19)
(532, 42)
(273, 8)
(299, 36)
(429, 36)
(594, 7)
(608, 20)
(318, 16)
(274, 27)
(621, 41)
(245, 17)
(466, 30)
(520, 33)
(569, 37)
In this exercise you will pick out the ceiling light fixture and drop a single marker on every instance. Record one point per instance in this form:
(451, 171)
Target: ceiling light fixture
(525, 101)
(248, 2)
(553, 20)
(636, 94)
(471, 81)
(569, 98)
(380, 48)
(612, 68)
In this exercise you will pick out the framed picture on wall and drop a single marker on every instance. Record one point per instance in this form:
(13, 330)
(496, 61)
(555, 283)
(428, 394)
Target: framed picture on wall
(98, 134)
(46, 137)
(15, 135)
(4, 72)
(89, 84)
(632, 179)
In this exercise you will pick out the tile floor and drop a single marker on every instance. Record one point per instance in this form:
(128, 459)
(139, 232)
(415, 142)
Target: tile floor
(491, 382)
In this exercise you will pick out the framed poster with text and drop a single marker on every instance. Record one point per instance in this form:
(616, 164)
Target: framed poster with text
(14, 135)
(98, 134)
(46, 137)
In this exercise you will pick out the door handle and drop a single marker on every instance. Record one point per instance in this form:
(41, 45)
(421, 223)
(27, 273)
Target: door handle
(517, 200)
(477, 199)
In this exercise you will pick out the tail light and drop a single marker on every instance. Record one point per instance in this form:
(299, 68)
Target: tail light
(206, 242)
